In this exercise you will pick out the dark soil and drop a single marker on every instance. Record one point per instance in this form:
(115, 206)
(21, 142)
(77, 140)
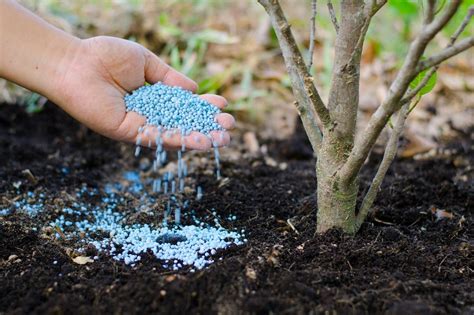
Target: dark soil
(403, 261)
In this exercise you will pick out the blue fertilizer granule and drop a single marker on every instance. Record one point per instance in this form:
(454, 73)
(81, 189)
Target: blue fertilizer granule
(26, 206)
(173, 108)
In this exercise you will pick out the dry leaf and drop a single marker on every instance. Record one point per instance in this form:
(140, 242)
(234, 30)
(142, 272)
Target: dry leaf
(82, 260)
(29, 175)
(250, 273)
(170, 278)
(441, 214)
(272, 257)
(251, 142)
(417, 144)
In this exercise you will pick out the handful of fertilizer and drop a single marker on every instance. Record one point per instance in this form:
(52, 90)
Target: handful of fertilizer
(172, 108)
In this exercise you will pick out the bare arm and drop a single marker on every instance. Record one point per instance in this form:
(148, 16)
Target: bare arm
(31, 50)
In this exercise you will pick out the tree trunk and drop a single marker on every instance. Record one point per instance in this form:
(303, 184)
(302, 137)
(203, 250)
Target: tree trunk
(337, 199)
(336, 203)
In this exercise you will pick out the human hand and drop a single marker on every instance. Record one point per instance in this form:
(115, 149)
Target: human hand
(98, 74)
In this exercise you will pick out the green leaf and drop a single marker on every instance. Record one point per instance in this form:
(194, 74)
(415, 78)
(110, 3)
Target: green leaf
(215, 82)
(33, 103)
(175, 58)
(167, 29)
(406, 8)
(209, 85)
(429, 85)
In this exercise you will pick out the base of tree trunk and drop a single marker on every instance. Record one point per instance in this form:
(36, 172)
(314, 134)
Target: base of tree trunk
(336, 206)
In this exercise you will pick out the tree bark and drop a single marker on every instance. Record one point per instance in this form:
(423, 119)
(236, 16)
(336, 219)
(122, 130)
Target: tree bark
(336, 202)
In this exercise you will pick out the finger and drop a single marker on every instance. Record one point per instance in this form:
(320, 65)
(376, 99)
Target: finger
(220, 138)
(128, 129)
(197, 141)
(194, 141)
(216, 100)
(148, 136)
(157, 70)
(226, 120)
(173, 140)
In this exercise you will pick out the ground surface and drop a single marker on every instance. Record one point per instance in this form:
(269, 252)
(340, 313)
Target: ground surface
(403, 261)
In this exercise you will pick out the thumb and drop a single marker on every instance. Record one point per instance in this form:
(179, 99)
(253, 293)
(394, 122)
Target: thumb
(157, 70)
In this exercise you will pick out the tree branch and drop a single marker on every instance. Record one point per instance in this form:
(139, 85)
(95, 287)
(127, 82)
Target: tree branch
(447, 53)
(388, 157)
(461, 27)
(312, 36)
(332, 14)
(430, 12)
(379, 5)
(309, 102)
(365, 141)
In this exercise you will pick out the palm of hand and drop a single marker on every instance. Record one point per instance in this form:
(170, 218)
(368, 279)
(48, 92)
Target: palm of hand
(103, 70)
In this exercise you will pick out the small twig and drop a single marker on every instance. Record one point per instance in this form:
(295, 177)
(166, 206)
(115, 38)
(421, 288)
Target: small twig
(442, 261)
(332, 14)
(383, 222)
(447, 53)
(290, 224)
(312, 36)
(60, 232)
(415, 222)
(461, 27)
(350, 266)
(376, 239)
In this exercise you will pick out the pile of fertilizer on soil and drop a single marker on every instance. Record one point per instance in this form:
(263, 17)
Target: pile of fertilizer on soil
(103, 225)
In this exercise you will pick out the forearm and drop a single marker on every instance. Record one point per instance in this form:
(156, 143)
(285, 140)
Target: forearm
(33, 53)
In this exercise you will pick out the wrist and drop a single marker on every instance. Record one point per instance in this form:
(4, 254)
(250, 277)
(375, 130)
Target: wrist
(63, 55)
